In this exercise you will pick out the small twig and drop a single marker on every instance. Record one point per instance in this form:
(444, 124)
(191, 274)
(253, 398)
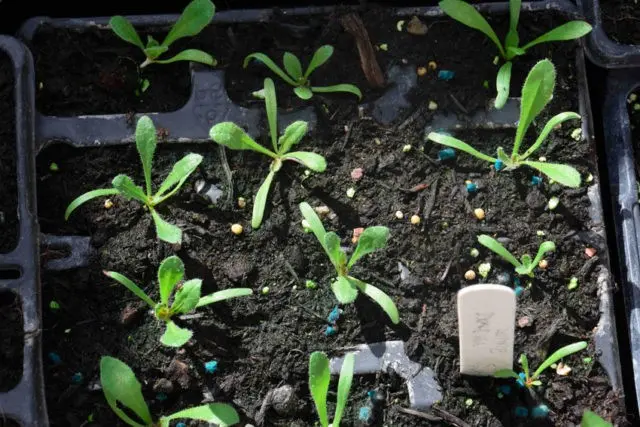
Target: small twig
(347, 135)
(312, 313)
(370, 67)
(428, 207)
(417, 413)
(227, 172)
(459, 104)
(450, 418)
(291, 270)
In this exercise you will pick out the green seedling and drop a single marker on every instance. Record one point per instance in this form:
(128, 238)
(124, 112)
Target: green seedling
(527, 380)
(319, 378)
(195, 17)
(300, 80)
(536, 94)
(122, 389)
(591, 419)
(526, 265)
(345, 287)
(185, 299)
(124, 185)
(232, 136)
(465, 13)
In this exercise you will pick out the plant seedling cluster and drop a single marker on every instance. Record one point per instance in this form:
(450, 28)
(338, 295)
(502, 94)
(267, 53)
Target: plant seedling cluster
(536, 94)
(232, 136)
(195, 17)
(525, 379)
(525, 266)
(122, 388)
(146, 142)
(185, 299)
(346, 287)
(293, 74)
(465, 13)
(319, 379)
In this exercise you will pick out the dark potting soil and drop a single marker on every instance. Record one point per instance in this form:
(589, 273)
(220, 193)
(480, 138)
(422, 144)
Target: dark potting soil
(9, 188)
(11, 341)
(263, 341)
(621, 21)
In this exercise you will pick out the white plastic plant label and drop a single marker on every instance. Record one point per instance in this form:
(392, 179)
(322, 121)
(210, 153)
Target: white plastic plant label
(486, 325)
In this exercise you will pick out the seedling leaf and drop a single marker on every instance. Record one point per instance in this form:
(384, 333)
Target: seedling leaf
(125, 30)
(551, 125)
(503, 82)
(303, 92)
(194, 55)
(545, 247)
(469, 16)
(127, 283)
(292, 135)
(495, 246)
(344, 386)
(506, 373)
(178, 175)
(86, 197)
(320, 56)
(591, 419)
(146, 146)
(127, 188)
(334, 251)
(223, 295)
(271, 65)
(371, 239)
(187, 296)
(220, 414)
(559, 354)
(563, 174)
(319, 378)
(234, 137)
(310, 160)
(512, 39)
(292, 65)
(314, 223)
(344, 290)
(569, 31)
(260, 201)
(450, 141)
(166, 231)
(170, 273)
(195, 17)
(120, 384)
(382, 299)
(343, 87)
(271, 105)
(524, 362)
(175, 336)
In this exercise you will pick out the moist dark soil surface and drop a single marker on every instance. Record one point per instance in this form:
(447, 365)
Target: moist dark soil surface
(263, 341)
(621, 21)
(11, 341)
(8, 190)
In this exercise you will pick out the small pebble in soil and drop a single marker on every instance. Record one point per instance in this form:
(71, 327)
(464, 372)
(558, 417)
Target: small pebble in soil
(470, 275)
(209, 192)
(334, 315)
(351, 192)
(310, 284)
(446, 75)
(322, 210)
(129, 314)
(484, 269)
(446, 154)
(543, 264)
(416, 27)
(108, 204)
(590, 252)
(475, 253)
(573, 283)
(536, 180)
(211, 366)
(365, 415)
(399, 215)
(265, 290)
(356, 174)
(53, 167)
(519, 290)
(496, 60)
(553, 203)
(242, 202)
(181, 424)
(468, 402)
(331, 330)
(236, 229)
(587, 360)
(383, 46)
(540, 411)
(356, 234)
(163, 385)
(479, 213)
(632, 98)
(521, 412)
(562, 369)
(504, 278)
(399, 25)
(54, 358)
(471, 187)
(432, 65)
(576, 134)
(415, 219)
(77, 378)
(540, 233)
(53, 305)
(406, 148)
(421, 71)
(161, 397)
(523, 322)
(178, 371)
(589, 178)
(542, 159)
(498, 165)
(305, 226)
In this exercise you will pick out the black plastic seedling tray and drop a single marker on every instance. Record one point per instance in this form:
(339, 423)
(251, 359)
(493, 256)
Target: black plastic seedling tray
(624, 196)
(600, 49)
(25, 403)
(209, 104)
